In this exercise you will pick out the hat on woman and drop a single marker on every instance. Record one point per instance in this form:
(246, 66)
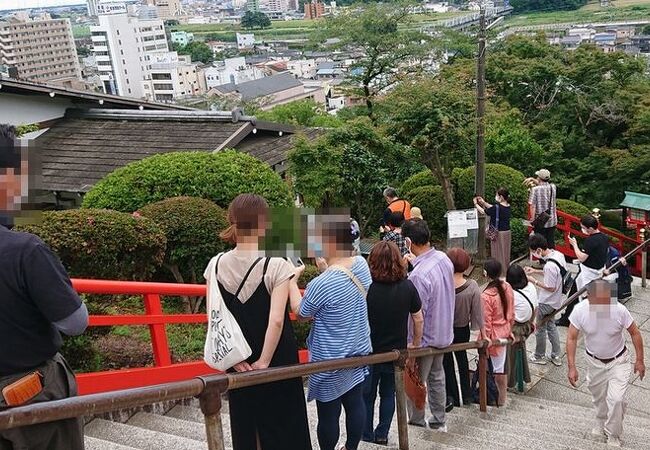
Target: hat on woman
(416, 213)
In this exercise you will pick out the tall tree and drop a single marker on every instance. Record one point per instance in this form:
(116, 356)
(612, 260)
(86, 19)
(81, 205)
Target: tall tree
(248, 20)
(435, 116)
(198, 51)
(390, 48)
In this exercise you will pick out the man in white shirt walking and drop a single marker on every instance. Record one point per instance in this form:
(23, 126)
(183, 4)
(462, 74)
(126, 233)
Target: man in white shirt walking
(550, 298)
(602, 320)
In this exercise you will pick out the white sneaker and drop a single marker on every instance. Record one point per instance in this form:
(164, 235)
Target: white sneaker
(535, 360)
(439, 428)
(556, 360)
(613, 441)
(598, 430)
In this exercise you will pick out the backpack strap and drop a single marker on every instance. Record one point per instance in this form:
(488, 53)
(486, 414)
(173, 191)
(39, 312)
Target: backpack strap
(250, 269)
(216, 265)
(557, 263)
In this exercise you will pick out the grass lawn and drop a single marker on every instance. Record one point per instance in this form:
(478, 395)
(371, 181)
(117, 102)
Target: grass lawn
(620, 10)
(290, 29)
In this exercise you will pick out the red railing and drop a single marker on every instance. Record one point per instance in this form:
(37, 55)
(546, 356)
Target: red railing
(570, 225)
(163, 370)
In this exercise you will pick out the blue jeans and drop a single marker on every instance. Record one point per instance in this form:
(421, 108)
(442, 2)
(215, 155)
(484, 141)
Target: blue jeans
(328, 419)
(382, 375)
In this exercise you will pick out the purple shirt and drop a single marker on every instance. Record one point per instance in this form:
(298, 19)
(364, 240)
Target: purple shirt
(433, 277)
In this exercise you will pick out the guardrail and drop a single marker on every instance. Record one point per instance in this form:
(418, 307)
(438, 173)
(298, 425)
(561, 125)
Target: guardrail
(570, 225)
(164, 370)
(209, 390)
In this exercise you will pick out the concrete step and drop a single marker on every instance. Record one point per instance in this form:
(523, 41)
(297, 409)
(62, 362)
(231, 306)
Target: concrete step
(422, 439)
(140, 438)
(558, 426)
(92, 443)
(525, 428)
(569, 412)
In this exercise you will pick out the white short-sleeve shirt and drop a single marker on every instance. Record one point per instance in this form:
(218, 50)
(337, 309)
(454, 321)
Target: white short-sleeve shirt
(523, 311)
(603, 327)
(553, 278)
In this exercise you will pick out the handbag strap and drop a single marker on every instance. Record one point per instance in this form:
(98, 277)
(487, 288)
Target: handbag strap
(352, 277)
(532, 308)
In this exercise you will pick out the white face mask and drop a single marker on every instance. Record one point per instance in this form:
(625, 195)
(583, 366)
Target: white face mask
(539, 255)
(497, 199)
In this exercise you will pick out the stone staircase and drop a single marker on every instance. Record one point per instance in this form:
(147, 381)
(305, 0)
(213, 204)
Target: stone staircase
(551, 415)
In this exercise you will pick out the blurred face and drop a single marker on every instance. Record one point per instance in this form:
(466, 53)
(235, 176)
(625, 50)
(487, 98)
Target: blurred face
(600, 293)
(13, 187)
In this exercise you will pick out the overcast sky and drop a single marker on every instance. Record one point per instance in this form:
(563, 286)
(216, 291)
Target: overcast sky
(16, 4)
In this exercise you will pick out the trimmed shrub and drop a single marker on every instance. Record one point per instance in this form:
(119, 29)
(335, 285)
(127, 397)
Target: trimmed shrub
(219, 177)
(519, 236)
(97, 243)
(496, 175)
(309, 274)
(424, 178)
(432, 203)
(192, 226)
(571, 207)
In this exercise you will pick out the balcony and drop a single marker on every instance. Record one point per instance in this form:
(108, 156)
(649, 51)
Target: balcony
(100, 48)
(100, 38)
(103, 58)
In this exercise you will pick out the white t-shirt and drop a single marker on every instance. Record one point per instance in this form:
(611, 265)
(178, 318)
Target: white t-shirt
(603, 327)
(523, 313)
(552, 278)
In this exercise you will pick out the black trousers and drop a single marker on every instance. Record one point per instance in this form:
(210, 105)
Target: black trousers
(548, 233)
(461, 335)
(58, 383)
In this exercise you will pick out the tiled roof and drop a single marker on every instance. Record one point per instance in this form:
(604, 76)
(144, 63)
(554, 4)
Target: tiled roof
(84, 147)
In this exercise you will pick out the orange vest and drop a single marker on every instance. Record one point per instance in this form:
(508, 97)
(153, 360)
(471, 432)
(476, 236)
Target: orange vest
(402, 206)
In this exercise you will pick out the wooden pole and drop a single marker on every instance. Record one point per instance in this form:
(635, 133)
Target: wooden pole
(480, 131)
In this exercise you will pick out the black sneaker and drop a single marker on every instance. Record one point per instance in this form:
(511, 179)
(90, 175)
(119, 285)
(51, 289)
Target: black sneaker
(449, 407)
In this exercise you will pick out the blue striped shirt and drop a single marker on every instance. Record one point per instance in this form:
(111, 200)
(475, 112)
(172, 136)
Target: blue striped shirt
(339, 328)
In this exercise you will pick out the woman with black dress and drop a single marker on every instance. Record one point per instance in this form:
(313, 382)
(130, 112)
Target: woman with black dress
(255, 289)
(499, 215)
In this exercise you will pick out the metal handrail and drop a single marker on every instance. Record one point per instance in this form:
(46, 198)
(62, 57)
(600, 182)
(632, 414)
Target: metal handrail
(582, 290)
(209, 389)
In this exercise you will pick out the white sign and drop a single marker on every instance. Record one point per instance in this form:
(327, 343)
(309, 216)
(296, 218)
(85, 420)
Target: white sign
(457, 224)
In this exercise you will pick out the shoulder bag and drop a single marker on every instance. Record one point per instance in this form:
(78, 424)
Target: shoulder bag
(543, 217)
(492, 232)
(225, 344)
(352, 277)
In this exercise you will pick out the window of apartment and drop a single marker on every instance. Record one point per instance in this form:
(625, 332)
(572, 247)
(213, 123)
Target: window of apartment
(129, 90)
(161, 76)
(124, 62)
(121, 52)
(119, 42)
(117, 32)
(163, 86)
(125, 72)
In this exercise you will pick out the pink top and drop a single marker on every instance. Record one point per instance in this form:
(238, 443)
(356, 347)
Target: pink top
(497, 324)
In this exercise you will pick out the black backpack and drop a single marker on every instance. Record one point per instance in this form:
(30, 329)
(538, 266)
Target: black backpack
(568, 278)
(492, 388)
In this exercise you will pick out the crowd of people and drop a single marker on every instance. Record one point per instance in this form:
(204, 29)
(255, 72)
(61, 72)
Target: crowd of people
(408, 294)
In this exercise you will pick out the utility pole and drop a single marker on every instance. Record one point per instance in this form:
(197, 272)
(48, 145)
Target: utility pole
(480, 130)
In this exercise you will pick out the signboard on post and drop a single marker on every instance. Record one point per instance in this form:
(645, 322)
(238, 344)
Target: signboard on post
(462, 229)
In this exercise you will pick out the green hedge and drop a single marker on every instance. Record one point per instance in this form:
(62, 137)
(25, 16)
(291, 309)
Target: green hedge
(97, 243)
(432, 203)
(519, 236)
(192, 226)
(219, 177)
(420, 179)
(571, 207)
(496, 175)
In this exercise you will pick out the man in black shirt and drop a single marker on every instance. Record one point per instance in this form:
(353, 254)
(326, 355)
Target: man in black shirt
(593, 257)
(37, 303)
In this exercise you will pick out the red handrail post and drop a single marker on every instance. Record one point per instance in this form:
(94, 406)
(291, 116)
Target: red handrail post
(159, 343)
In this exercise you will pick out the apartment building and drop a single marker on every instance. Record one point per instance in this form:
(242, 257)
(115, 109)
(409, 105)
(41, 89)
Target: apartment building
(231, 70)
(123, 45)
(314, 9)
(39, 49)
(172, 77)
(167, 9)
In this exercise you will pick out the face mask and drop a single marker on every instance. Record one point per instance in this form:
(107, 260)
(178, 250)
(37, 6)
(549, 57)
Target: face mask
(497, 199)
(584, 230)
(539, 255)
(315, 248)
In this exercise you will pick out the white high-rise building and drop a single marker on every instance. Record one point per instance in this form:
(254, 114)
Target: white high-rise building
(171, 77)
(274, 5)
(122, 46)
(92, 7)
(231, 70)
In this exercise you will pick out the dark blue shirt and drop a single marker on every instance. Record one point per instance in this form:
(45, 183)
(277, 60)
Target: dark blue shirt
(35, 292)
(504, 216)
